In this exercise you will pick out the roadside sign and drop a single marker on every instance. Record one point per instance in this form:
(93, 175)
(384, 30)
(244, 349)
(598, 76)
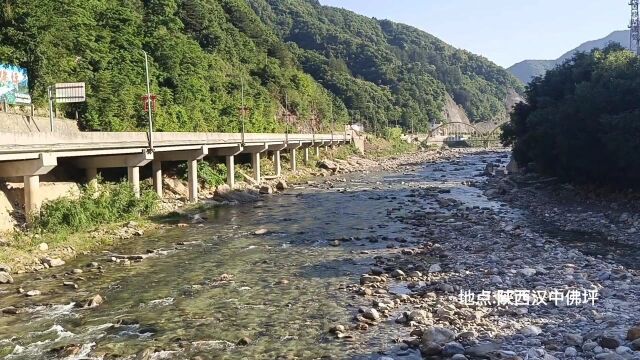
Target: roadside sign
(70, 92)
(14, 82)
(23, 99)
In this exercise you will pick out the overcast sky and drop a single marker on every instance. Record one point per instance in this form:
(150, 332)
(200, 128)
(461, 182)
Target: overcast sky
(505, 31)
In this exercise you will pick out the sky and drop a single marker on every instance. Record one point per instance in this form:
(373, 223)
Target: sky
(505, 31)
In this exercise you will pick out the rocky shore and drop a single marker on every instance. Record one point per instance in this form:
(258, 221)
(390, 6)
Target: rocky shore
(472, 282)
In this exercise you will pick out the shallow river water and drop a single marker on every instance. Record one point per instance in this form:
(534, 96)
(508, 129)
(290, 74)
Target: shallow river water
(282, 290)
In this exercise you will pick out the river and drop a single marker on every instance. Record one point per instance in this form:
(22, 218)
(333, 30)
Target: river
(212, 285)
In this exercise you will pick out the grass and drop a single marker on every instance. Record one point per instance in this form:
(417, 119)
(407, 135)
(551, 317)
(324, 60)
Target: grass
(380, 148)
(101, 204)
(209, 174)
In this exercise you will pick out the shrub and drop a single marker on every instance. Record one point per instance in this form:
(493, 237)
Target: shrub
(211, 175)
(106, 203)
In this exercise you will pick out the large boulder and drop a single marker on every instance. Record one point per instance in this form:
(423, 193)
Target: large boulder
(438, 335)
(5, 278)
(328, 165)
(176, 186)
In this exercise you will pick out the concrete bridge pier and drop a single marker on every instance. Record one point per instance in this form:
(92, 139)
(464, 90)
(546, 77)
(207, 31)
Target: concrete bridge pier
(191, 157)
(132, 162)
(317, 147)
(133, 174)
(306, 155)
(92, 177)
(30, 171)
(277, 158)
(293, 147)
(229, 153)
(255, 151)
(156, 175)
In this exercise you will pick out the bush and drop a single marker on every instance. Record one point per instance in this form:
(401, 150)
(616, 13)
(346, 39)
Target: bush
(211, 175)
(104, 204)
(581, 120)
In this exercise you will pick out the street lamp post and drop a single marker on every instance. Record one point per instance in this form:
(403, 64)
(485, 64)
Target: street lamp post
(146, 67)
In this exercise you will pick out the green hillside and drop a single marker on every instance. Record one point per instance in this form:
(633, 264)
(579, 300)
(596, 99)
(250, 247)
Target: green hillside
(322, 61)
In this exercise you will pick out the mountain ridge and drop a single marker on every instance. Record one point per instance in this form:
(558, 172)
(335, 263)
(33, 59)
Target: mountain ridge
(526, 70)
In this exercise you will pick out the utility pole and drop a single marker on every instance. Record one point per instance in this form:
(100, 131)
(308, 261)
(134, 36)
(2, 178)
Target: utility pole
(634, 26)
(243, 110)
(146, 67)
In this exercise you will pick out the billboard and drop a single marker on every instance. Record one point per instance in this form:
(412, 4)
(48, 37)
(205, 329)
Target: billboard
(14, 85)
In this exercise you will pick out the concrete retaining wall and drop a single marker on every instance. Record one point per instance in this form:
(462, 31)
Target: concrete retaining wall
(16, 123)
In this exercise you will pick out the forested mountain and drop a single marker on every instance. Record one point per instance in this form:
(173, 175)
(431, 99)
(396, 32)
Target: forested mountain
(321, 62)
(528, 69)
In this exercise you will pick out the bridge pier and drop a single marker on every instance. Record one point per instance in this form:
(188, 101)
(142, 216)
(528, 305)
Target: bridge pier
(229, 153)
(30, 171)
(255, 165)
(276, 163)
(32, 200)
(133, 174)
(132, 162)
(156, 174)
(191, 157)
(294, 167)
(231, 170)
(255, 151)
(306, 156)
(92, 177)
(317, 151)
(293, 147)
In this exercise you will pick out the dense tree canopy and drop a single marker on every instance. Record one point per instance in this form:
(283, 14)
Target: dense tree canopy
(582, 118)
(319, 62)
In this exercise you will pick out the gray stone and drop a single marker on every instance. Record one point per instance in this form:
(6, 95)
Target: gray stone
(266, 190)
(32, 293)
(482, 350)
(53, 262)
(430, 349)
(438, 335)
(458, 357)
(398, 273)
(5, 268)
(434, 268)
(371, 314)
(281, 185)
(609, 342)
(367, 279)
(573, 339)
(417, 316)
(635, 344)
(621, 350)
(452, 348)
(530, 330)
(43, 247)
(5, 278)
(570, 352)
(527, 271)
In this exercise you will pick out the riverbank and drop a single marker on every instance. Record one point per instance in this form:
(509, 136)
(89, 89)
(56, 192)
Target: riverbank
(494, 278)
(29, 251)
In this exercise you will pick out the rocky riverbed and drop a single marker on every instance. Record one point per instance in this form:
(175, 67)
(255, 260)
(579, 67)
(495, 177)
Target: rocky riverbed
(426, 256)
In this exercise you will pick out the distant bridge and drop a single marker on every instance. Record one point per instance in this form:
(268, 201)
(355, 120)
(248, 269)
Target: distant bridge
(457, 133)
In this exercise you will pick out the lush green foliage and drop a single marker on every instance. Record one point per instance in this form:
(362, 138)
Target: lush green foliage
(326, 64)
(211, 175)
(582, 118)
(107, 203)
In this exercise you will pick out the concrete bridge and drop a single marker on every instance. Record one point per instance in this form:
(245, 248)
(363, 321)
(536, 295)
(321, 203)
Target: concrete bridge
(30, 155)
